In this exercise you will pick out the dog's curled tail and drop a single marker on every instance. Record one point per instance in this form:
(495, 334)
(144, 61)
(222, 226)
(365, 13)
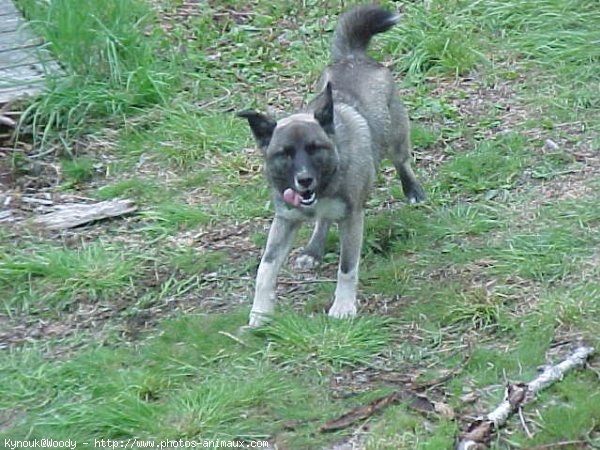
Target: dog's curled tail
(356, 27)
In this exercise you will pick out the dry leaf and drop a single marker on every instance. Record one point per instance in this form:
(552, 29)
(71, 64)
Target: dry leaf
(444, 410)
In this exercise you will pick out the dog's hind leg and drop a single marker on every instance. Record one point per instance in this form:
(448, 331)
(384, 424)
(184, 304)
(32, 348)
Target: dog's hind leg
(401, 155)
(279, 242)
(313, 252)
(411, 187)
(351, 230)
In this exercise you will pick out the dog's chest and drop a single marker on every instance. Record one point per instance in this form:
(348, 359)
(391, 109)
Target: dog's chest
(326, 208)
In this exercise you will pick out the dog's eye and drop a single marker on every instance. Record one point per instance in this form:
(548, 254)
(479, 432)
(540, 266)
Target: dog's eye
(312, 147)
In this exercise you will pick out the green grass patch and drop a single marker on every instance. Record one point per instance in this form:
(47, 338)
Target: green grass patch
(191, 262)
(196, 179)
(549, 255)
(464, 220)
(492, 165)
(61, 276)
(176, 216)
(572, 307)
(399, 429)
(324, 341)
(112, 64)
(476, 307)
(192, 381)
(140, 189)
(423, 137)
(435, 37)
(77, 170)
(185, 137)
(245, 200)
(559, 420)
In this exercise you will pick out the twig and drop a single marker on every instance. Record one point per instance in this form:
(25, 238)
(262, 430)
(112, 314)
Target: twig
(417, 402)
(361, 412)
(216, 100)
(8, 122)
(444, 378)
(50, 149)
(479, 434)
(235, 338)
(524, 424)
(555, 445)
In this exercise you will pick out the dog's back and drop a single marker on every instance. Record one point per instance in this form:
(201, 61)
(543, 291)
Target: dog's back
(368, 87)
(357, 79)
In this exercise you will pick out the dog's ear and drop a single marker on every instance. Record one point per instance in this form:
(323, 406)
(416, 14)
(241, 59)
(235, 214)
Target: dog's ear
(324, 109)
(262, 127)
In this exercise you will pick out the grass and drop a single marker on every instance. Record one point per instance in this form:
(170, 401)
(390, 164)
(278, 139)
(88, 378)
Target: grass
(130, 328)
(77, 170)
(186, 137)
(61, 276)
(436, 37)
(177, 215)
(111, 65)
(296, 339)
(494, 165)
(140, 189)
(190, 380)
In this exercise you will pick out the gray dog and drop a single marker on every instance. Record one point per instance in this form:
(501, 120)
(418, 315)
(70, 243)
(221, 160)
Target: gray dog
(321, 162)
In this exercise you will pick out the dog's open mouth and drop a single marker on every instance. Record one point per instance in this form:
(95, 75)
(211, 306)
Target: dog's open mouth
(308, 198)
(297, 199)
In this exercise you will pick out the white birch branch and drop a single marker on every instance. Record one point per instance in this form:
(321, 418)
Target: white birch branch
(479, 433)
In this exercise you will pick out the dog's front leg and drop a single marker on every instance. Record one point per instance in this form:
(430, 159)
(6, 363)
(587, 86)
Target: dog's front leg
(313, 253)
(279, 242)
(351, 230)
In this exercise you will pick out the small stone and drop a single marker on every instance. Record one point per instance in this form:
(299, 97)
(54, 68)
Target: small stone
(549, 144)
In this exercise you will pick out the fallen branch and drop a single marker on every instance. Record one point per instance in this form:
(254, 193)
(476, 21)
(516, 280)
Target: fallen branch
(479, 433)
(417, 402)
(73, 215)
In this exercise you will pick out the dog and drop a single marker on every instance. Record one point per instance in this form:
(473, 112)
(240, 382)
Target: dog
(322, 161)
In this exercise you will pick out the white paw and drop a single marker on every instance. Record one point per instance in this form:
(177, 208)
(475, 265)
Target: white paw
(305, 262)
(257, 319)
(342, 309)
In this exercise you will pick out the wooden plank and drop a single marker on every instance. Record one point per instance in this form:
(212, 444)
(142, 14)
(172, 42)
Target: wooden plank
(20, 76)
(21, 56)
(7, 8)
(74, 215)
(8, 95)
(8, 14)
(24, 63)
(18, 39)
(24, 70)
(11, 22)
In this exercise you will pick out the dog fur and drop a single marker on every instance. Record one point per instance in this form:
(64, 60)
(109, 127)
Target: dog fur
(322, 161)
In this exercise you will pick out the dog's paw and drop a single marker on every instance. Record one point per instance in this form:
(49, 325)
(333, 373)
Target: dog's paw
(305, 262)
(257, 319)
(416, 194)
(342, 310)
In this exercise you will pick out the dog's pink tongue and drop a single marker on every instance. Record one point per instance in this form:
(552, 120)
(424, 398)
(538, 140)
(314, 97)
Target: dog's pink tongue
(292, 197)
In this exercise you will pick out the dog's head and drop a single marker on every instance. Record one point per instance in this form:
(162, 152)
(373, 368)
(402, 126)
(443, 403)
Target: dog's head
(299, 150)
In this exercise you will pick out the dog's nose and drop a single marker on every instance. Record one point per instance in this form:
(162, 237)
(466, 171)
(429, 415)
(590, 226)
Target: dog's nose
(304, 180)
